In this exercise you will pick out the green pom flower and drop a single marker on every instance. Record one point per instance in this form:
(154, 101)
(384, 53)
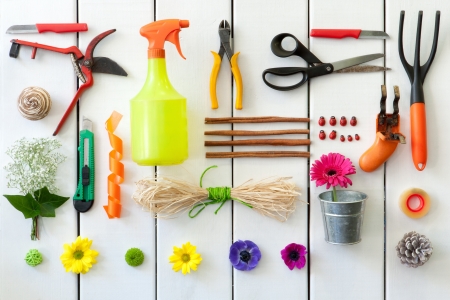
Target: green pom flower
(134, 257)
(33, 258)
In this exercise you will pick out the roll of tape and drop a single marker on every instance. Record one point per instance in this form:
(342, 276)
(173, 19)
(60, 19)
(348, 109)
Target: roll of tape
(415, 212)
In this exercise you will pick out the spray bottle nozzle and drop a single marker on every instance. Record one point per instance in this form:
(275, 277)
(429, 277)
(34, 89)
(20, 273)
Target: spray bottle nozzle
(160, 31)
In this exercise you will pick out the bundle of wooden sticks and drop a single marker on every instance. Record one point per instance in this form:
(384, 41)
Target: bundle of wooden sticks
(257, 142)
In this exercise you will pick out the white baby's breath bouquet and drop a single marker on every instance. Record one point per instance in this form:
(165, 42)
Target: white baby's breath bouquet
(33, 171)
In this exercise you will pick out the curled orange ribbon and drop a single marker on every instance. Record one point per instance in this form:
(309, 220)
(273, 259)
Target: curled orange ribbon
(115, 166)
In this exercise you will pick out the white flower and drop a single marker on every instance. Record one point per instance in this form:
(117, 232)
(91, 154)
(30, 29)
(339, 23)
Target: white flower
(34, 165)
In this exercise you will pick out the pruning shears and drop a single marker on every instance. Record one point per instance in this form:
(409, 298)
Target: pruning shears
(84, 195)
(83, 64)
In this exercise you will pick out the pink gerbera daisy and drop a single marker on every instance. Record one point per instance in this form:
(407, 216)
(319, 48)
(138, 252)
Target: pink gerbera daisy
(332, 170)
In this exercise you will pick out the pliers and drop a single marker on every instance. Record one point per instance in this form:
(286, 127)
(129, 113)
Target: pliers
(224, 34)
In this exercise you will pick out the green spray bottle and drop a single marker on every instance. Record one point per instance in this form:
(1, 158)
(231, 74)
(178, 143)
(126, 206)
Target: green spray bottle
(158, 111)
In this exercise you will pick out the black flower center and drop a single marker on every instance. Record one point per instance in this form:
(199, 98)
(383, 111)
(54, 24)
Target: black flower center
(331, 172)
(245, 256)
(293, 255)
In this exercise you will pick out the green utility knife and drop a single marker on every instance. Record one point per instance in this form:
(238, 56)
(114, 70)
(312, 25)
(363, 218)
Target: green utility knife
(84, 195)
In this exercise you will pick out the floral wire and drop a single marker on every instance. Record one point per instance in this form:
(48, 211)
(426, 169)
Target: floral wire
(215, 195)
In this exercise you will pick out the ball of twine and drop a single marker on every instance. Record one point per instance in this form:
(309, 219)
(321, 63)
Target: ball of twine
(34, 103)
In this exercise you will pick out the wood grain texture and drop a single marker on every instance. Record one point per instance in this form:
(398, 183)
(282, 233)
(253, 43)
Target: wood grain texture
(112, 278)
(211, 233)
(348, 272)
(427, 281)
(271, 279)
(53, 72)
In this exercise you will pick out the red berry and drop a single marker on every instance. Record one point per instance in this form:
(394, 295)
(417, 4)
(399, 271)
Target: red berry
(342, 138)
(332, 121)
(349, 138)
(322, 135)
(321, 121)
(357, 137)
(353, 121)
(332, 135)
(343, 121)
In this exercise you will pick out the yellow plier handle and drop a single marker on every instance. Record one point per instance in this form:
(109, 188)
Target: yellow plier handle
(213, 80)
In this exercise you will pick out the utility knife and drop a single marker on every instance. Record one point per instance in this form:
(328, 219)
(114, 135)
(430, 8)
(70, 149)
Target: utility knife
(84, 195)
(353, 33)
(40, 28)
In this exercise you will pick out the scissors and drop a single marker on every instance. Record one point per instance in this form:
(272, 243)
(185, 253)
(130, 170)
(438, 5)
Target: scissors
(316, 67)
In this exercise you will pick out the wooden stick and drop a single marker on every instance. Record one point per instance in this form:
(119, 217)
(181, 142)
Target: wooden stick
(253, 120)
(264, 154)
(273, 142)
(253, 133)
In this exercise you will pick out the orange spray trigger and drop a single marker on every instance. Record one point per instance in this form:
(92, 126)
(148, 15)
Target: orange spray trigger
(157, 33)
(174, 39)
(387, 135)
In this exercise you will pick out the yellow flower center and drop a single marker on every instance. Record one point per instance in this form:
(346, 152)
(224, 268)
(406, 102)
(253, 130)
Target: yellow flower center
(78, 254)
(185, 258)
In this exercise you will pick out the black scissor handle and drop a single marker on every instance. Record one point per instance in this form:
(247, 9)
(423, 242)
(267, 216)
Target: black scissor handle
(299, 50)
(307, 73)
(286, 71)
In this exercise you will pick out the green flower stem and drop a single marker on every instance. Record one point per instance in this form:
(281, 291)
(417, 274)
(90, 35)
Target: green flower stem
(335, 198)
(34, 229)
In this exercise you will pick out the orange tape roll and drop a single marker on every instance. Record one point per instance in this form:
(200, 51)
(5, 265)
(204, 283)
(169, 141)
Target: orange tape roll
(415, 212)
(114, 206)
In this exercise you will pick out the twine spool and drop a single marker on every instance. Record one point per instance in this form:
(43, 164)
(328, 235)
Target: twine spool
(34, 103)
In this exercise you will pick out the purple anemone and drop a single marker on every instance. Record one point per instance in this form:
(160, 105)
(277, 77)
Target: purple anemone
(294, 256)
(244, 255)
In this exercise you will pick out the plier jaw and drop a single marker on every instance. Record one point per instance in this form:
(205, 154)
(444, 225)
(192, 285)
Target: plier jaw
(225, 47)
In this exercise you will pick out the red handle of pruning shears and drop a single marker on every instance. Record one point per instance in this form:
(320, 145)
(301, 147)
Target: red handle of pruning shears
(60, 28)
(72, 49)
(335, 33)
(89, 82)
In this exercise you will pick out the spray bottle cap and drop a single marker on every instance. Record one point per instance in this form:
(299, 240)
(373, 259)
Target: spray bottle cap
(160, 31)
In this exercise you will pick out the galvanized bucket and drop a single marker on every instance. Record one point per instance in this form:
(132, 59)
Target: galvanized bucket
(342, 220)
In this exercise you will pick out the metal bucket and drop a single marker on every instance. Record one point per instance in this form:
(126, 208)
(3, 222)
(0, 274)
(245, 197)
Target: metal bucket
(342, 220)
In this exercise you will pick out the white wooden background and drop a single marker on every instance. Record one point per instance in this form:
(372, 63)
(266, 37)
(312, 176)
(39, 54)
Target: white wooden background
(362, 271)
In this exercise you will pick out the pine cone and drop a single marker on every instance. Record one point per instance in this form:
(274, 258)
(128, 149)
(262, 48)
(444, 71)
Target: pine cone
(414, 249)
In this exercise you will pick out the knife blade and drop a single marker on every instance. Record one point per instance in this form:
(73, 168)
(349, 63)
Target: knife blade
(40, 28)
(343, 33)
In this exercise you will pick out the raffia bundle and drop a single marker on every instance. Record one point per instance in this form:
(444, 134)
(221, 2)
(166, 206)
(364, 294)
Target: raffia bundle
(273, 197)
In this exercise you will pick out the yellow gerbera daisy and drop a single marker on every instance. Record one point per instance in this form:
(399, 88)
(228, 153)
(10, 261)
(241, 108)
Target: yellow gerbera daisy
(78, 257)
(185, 258)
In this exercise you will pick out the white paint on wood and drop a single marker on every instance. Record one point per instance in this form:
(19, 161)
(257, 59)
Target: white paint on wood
(347, 272)
(427, 281)
(255, 25)
(112, 278)
(209, 232)
(53, 72)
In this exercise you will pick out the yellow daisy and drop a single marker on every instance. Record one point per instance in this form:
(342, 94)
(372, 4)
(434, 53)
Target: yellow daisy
(185, 258)
(78, 257)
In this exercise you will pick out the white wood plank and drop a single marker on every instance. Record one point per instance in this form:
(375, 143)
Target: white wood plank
(255, 24)
(347, 272)
(209, 232)
(112, 278)
(53, 72)
(426, 281)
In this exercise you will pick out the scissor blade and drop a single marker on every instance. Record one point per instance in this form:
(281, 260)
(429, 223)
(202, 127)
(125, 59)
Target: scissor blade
(355, 61)
(108, 66)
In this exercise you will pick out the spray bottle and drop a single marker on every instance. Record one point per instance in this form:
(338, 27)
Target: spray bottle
(158, 111)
